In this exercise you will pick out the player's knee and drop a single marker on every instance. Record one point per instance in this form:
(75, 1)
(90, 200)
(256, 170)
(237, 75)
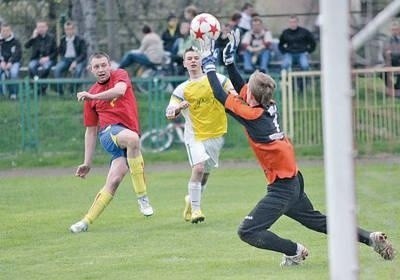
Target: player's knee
(198, 170)
(133, 142)
(243, 233)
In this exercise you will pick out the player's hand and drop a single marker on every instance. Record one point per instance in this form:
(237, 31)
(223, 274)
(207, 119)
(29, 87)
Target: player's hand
(34, 33)
(82, 171)
(82, 95)
(183, 105)
(72, 67)
(208, 54)
(170, 112)
(228, 54)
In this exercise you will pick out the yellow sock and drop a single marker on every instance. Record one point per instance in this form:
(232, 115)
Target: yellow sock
(101, 201)
(136, 167)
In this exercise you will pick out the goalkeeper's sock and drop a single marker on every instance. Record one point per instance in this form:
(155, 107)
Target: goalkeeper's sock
(101, 201)
(136, 168)
(195, 195)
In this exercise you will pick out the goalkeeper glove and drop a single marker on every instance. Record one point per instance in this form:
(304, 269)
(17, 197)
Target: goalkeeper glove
(228, 54)
(208, 55)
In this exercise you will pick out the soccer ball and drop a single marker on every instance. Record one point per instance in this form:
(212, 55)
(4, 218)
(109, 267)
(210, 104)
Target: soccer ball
(205, 25)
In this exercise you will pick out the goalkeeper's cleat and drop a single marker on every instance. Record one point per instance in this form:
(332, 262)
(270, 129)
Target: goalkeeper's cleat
(78, 227)
(144, 206)
(187, 212)
(197, 217)
(382, 245)
(301, 255)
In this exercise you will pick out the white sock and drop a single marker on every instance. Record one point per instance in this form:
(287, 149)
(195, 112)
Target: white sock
(195, 195)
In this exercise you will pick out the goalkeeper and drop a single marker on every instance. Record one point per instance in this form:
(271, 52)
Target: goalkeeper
(255, 109)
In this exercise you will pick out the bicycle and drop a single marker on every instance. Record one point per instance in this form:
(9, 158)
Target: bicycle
(161, 139)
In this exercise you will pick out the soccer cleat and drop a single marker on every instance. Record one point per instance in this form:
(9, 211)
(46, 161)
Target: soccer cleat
(301, 255)
(144, 206)
(197, 217)
(187, 212)
(382, 245)
(78, 227)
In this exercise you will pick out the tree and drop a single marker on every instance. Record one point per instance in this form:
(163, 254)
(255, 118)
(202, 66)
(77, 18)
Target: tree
(90, 18)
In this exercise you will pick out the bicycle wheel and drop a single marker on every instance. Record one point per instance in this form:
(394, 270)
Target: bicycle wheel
(153, 81)
(156, 140)
(146, 85)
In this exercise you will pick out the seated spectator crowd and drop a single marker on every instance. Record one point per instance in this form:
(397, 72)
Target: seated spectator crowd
(71, 51)
(69, 57)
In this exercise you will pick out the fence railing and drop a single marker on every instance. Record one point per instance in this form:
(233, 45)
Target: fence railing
(53, 122)
(376, 106)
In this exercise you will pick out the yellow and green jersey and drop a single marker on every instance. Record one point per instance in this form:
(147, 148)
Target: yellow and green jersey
(205, 118)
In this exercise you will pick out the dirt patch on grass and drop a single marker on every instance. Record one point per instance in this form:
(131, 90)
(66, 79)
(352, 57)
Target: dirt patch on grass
(171, 166)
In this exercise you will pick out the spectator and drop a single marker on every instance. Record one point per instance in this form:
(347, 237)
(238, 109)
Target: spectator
(189, 13)
(170, 34)
(235, 20)
(295, 44)
(222, 40)
(10, 58)
(245, 20)
(184, 43)
(150, 52)
(44, 52)
(256, 46)
(72, 50)
(392, 58)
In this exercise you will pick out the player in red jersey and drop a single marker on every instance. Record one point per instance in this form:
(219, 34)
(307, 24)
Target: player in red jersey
(255, 109)
(110, 112)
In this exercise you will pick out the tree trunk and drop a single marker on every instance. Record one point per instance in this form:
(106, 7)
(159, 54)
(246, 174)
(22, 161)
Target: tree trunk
(112, 31)
(77, 16)
(90, 16)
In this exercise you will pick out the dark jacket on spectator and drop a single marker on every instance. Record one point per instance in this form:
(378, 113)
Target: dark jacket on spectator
(296, 41)
(169, 39)
(10, 50)
(79, 45)
(43, 46)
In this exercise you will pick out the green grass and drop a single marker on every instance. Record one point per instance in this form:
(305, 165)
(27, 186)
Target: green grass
(36, 211)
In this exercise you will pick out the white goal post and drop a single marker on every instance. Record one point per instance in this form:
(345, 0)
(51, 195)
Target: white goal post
(336, 48)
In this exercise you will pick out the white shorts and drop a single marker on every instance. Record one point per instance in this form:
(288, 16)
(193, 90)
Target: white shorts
(205, 151)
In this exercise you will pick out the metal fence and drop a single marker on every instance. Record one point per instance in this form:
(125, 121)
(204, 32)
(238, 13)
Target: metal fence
(54, 123)
(376, 107)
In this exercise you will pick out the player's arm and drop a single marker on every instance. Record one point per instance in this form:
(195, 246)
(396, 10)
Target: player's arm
(228, 56)
(174, 109)
(235, 77)
(117, 91)
(216, 86)
(90, 146)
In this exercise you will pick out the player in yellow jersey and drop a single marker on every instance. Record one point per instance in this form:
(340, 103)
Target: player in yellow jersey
(205, 126)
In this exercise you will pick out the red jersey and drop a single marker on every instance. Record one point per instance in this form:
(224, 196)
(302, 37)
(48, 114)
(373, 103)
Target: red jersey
(121, 110)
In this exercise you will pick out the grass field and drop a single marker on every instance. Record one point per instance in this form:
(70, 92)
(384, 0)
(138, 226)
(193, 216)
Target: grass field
(37, 208)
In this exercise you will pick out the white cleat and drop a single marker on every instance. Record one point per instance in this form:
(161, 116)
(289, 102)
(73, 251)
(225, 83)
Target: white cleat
(301, 255)
(382, 245)
(78, 227)
(144, 206)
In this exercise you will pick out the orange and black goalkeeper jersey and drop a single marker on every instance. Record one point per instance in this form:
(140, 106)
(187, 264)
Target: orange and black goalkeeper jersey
(273, 150)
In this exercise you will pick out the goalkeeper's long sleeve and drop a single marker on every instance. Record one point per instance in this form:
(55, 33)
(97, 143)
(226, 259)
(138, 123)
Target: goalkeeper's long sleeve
(234, 76)
(218, 91)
